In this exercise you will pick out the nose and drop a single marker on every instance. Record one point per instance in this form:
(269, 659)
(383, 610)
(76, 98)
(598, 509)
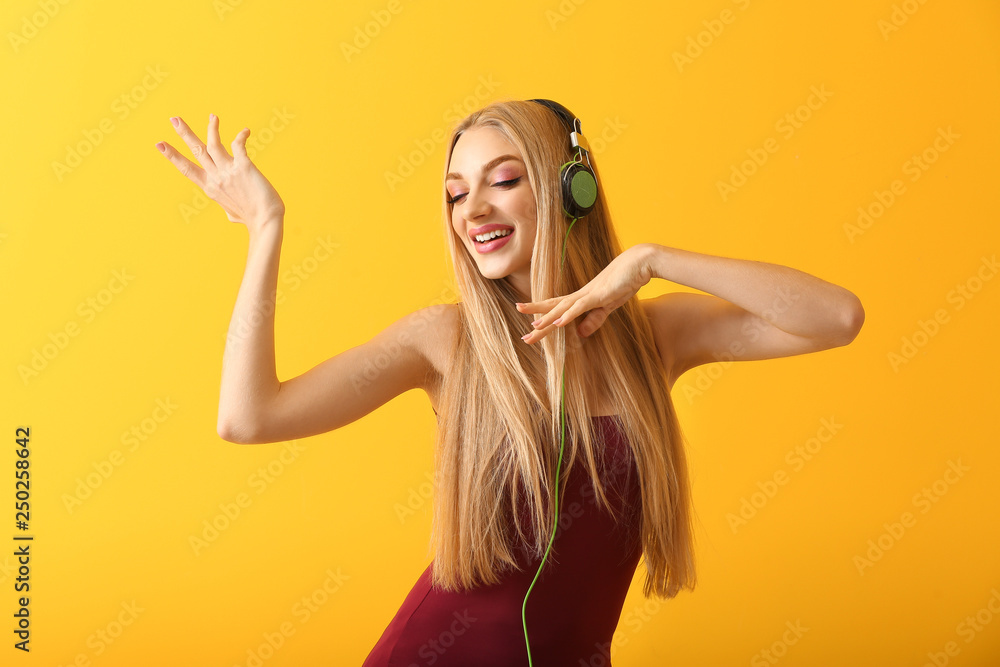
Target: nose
(476, 205)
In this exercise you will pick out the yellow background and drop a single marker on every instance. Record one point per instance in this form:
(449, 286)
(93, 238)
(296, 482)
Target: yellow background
(672, 131)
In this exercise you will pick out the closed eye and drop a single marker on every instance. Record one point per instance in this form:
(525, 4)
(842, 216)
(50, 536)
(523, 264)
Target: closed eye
(504, 184)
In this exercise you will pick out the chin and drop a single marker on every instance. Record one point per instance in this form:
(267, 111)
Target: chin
(494, 275)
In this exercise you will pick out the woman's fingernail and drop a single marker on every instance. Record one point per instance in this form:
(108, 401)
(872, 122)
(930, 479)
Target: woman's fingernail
(211, 117)
(162, 147)
(176, 121)
(558, 322)
(525, 336)
(535, 323)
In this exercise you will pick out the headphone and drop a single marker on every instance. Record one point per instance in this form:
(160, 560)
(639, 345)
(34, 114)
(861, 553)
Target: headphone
(579, 183)
(579, 194)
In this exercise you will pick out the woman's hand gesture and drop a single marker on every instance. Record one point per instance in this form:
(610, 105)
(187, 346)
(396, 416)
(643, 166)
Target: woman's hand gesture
(609, 289)
(234, 182)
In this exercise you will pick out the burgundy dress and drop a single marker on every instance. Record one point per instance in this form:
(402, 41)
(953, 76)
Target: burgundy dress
(575, 605)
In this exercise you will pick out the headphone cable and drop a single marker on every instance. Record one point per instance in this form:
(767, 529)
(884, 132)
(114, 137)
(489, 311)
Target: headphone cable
(562, 442)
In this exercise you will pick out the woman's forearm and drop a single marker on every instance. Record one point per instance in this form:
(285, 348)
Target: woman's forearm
(789, 299)
(249, 378)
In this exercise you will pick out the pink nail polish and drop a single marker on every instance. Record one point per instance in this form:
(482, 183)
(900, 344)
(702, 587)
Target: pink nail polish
(176, 121)
(161, 146)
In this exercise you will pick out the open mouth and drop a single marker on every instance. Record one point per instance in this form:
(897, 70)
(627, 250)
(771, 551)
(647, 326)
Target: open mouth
(495, 242)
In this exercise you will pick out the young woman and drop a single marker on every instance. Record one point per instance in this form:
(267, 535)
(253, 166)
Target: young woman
(536, 418)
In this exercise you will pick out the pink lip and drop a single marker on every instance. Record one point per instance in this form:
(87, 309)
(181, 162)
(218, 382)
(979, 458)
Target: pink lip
(490, 246)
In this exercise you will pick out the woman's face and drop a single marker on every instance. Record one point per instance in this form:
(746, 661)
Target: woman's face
(488, 183)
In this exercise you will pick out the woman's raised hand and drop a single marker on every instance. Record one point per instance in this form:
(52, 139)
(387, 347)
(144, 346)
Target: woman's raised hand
(234, 182)
(609, 289)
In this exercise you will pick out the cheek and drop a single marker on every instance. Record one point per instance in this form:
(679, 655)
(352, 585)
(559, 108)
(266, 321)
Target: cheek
(527, 212)
(529, 206)
(529, 215)
(457, 229)
(527, 240)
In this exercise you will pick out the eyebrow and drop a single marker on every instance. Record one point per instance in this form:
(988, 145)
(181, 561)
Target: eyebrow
(486, 167)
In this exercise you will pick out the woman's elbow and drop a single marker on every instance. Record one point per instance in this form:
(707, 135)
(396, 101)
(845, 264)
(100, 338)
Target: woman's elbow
(854, 320)
(231, 431)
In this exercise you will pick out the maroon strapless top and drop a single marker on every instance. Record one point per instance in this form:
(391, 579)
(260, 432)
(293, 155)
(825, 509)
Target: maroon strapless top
(575, 605)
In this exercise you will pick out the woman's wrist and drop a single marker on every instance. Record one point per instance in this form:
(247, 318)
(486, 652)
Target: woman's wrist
(268, 229)
(654, 259)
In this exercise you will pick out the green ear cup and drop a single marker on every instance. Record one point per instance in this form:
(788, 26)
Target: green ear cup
(583, 189)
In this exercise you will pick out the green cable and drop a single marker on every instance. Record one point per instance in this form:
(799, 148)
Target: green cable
(562, 442)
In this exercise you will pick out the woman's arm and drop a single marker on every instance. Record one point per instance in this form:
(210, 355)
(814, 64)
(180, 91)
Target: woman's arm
(753, 310)
(254, 407)
(249, 379)
(353, 383)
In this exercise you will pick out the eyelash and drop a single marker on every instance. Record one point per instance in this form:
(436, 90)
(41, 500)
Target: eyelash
(511, 182)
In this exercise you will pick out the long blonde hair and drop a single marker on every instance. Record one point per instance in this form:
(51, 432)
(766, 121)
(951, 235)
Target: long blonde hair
(499, 425)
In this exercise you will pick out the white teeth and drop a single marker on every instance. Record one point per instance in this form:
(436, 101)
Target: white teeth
(482, 238)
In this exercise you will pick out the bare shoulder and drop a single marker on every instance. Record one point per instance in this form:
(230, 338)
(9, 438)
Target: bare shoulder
(435, 334)
(440, 331)
(660, 321)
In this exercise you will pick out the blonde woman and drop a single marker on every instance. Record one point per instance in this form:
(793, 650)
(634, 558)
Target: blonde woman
(550, 380)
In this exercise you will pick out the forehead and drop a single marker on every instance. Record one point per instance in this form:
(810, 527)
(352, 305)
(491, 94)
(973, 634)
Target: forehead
(476, 146)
